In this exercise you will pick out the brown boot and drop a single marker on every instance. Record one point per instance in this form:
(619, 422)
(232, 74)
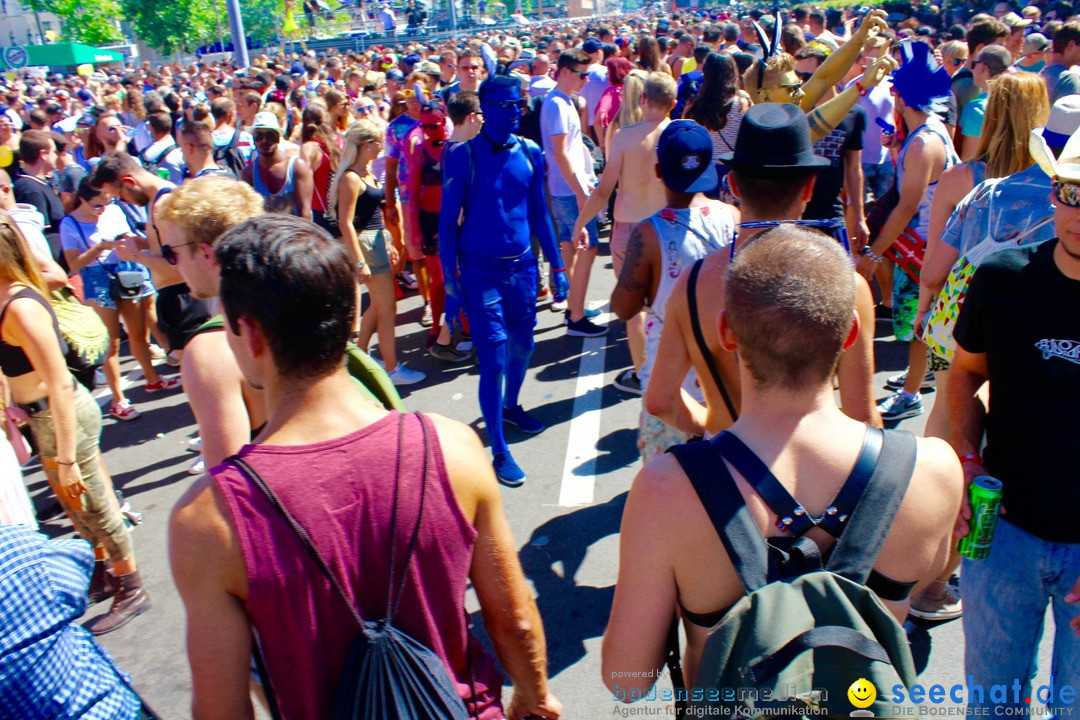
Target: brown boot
(130, 601)
(103, 584)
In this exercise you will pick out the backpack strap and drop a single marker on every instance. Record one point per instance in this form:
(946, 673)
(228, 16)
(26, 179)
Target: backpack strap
(712, 481)
(872, 517)
(793, 517)
(699, 338)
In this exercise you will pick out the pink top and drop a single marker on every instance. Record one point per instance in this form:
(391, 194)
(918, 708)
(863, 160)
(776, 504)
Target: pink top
(341, 491)
(607, 109)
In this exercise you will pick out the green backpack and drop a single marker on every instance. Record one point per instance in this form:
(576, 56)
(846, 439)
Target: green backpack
(370, 377)
(808, 627)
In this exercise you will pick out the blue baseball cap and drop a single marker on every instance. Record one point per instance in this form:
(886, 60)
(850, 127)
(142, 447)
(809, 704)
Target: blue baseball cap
(685, 156)
(592, 45)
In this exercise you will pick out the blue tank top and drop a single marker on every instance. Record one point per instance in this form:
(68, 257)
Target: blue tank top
(283, 201)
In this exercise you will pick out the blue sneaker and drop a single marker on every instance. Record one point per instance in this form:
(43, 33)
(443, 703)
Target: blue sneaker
(522, 420)
(507, 471)
(900, 405)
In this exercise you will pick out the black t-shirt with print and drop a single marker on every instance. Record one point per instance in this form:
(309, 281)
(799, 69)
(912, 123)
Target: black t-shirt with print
(1022, 312)
(834, 147)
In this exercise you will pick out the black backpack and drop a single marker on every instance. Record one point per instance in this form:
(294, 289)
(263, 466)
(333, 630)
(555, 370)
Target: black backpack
(153, 165)
(229, 156)
(388, 675)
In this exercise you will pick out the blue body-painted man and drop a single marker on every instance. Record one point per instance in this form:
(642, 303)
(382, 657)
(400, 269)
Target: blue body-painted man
(492, 203)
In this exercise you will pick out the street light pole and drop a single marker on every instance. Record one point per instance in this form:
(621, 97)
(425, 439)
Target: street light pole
(236, 27)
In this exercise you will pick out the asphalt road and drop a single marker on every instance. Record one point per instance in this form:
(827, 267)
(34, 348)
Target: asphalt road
(565, 518)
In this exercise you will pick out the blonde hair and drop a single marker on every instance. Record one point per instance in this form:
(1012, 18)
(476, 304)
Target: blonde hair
(360, 132)
(1017, 104)
(17, 262)
(776, 65)
(630, 112)
(660, 89)
(206, 208)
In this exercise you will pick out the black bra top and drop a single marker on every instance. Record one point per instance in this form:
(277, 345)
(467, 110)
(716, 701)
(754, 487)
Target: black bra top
(13, 361)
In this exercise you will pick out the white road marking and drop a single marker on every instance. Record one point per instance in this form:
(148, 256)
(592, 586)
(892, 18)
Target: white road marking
(579, 467)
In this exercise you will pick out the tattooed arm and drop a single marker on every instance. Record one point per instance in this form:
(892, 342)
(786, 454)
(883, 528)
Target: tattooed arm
(640, 272)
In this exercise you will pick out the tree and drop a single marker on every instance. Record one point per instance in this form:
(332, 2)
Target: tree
(93, 22)
(174, 25)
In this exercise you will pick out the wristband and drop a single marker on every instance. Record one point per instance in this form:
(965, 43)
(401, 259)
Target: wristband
(869, 252)
(60, 462)
(971, 458)
(860, 88)
(360, 264)
(559, 270)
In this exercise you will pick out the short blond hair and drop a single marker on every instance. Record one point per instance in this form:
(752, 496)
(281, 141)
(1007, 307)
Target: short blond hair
(206, 208)
(660, 90)
(777, 64)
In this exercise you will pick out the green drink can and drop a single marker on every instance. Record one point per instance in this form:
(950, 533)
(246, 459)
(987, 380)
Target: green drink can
(985, 496)
(163, 173)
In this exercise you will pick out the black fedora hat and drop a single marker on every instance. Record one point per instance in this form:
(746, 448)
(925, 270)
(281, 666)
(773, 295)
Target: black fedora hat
(774, 136)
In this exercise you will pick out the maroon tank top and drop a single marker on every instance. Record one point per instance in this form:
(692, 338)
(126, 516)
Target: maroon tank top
(341, 491)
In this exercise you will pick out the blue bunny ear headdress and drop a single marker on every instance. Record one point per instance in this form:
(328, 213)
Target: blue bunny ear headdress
(920, 81)
(427, 102)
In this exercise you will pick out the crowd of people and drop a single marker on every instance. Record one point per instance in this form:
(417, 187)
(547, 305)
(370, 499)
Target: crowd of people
(771, 187)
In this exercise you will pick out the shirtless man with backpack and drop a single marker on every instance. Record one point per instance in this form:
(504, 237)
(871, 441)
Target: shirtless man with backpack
(788, 345)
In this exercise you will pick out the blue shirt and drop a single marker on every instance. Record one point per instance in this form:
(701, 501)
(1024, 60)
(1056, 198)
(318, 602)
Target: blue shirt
(1019, 203)
(971, 119)
(50, 666)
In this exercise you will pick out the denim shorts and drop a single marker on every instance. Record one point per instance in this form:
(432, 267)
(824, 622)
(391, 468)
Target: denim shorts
(565, 212)
(96, 285)
(373, 248)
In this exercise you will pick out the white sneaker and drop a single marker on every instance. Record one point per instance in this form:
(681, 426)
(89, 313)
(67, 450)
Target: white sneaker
(559, 305)
(156, 353)
(402, 375)
(198, 467)
(195, 444)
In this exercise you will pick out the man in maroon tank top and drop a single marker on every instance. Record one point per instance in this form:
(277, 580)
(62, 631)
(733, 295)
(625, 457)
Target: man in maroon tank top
(344, 468)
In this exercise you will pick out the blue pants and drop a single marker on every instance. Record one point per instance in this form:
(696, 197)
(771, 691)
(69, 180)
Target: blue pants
(1005, 598)
(501, 306)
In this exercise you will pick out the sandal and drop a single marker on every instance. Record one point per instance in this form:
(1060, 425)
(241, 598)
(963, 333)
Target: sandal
(123, 410)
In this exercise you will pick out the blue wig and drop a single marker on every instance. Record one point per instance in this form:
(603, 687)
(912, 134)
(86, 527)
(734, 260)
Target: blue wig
(920, 82)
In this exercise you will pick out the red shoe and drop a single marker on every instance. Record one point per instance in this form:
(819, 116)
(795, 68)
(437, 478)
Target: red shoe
(171, 383)
(123, 411)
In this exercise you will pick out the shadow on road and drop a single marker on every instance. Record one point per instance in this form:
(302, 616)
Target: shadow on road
(572, 613)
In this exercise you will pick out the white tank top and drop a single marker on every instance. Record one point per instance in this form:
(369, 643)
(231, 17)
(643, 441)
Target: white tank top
(685, 236)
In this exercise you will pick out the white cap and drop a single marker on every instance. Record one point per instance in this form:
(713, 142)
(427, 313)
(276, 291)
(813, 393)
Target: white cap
(267, 121)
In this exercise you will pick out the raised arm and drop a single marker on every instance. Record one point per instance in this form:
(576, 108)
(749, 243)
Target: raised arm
(838, 63)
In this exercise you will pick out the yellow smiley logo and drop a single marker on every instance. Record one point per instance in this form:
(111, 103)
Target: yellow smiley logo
(862, 693)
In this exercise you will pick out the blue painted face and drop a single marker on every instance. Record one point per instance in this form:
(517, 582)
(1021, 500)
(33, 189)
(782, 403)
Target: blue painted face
(502, 109)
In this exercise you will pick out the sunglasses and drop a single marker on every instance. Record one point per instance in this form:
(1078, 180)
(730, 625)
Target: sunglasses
(1067, 193)
(261, 135)
(365, 109)
(508, 105)
(169, 252)
(582, 74)
(804, 76)
(98, 207)
(412, 93)
(430, 126)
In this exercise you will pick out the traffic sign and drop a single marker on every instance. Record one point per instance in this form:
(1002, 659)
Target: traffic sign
(15, 57)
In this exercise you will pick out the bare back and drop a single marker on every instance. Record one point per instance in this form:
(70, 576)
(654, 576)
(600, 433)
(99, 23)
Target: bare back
(813, 466)
(709, 295)
(641, 193)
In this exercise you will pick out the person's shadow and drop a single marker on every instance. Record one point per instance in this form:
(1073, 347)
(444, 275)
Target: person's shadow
(551, 558)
